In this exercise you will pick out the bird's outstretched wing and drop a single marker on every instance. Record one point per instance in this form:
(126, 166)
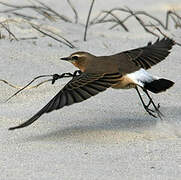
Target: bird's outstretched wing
(147, 56)
(76, 90)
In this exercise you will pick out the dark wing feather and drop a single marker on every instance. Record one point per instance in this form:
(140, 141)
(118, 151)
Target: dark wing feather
(151, 54)
(78, 89)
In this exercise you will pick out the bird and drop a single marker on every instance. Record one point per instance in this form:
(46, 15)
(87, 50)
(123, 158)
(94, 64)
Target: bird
(124, 70)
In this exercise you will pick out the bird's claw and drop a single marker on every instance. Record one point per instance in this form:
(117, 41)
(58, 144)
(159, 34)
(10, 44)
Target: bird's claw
(151, 111)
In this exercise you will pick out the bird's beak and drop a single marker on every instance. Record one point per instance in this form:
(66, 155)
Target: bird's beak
(66, 58)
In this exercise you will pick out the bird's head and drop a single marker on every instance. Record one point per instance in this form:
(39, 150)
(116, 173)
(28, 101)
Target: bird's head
(79, 59)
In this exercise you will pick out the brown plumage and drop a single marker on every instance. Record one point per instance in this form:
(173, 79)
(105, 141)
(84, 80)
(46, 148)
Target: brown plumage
(116, 71)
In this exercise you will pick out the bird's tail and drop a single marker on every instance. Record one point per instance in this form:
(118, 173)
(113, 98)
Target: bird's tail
(149, 82)
(158, 85)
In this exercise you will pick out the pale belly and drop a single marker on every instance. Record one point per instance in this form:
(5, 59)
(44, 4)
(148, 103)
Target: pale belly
(125, 83)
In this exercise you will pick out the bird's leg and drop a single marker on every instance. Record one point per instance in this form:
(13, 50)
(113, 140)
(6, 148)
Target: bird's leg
(57, 76)
(146, 107)
(150, 112)
(152, 102)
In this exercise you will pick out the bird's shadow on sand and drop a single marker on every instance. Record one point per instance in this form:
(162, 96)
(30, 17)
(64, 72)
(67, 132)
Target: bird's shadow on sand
(96, 131)
(116, 128)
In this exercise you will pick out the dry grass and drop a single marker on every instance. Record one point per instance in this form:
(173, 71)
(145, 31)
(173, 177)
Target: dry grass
(44, 12)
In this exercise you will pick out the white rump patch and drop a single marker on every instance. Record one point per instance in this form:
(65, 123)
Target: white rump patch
(141, 76)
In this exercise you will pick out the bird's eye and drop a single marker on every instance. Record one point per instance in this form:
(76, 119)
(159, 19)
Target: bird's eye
(75, 57)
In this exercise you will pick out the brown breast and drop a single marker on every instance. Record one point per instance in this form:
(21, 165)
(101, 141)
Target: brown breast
(79, 65)
(124, 83)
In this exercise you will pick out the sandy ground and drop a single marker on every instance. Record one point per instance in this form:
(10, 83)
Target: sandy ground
(106, 137)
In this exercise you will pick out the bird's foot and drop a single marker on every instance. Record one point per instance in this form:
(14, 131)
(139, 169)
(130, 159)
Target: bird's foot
(155, 111)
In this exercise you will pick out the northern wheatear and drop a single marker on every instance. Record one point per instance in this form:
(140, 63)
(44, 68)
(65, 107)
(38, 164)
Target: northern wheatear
(120, 71)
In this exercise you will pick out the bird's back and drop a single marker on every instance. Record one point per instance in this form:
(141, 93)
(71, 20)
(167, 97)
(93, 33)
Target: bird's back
(111, 64)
